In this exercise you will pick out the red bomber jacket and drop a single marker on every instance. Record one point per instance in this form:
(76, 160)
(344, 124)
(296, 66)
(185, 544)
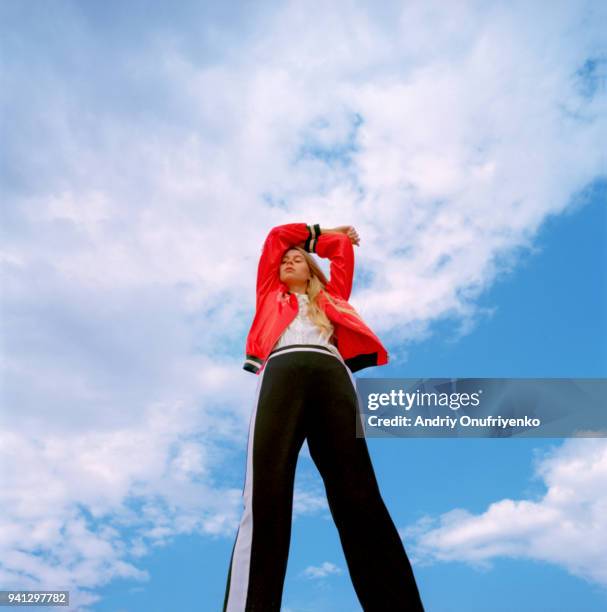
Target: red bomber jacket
(276, 307)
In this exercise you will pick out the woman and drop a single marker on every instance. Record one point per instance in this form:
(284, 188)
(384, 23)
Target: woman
(304, 343)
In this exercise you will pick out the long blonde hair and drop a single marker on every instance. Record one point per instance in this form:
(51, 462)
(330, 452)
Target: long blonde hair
(316, 285)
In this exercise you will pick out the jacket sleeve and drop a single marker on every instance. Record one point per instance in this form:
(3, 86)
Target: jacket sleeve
(276, 243)
(339, 249)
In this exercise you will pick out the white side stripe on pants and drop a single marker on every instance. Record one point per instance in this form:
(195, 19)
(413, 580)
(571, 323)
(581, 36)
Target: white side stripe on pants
(239, 579)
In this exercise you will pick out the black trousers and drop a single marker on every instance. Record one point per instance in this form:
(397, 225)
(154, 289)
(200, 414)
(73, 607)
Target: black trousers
(306, 392)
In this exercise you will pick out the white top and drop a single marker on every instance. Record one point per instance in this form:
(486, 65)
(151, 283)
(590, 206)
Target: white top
(302, 331)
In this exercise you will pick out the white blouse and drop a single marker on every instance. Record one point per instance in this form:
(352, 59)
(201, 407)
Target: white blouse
(302, 331)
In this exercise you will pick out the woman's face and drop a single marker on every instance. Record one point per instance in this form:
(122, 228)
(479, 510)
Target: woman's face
(294, 269)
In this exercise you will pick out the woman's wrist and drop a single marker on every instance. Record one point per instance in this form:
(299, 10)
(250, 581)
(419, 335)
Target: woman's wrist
(347, 230)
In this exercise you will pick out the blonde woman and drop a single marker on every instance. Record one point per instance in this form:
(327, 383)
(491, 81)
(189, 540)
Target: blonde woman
(305, 342)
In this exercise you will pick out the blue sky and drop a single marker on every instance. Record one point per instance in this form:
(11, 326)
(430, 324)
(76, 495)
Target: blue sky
(148, 149)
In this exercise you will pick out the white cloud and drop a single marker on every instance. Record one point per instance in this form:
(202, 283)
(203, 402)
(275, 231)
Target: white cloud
(566, 526)
(322, 571)
(309, 501)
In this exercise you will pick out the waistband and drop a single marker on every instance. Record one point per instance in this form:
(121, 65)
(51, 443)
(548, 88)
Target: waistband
(313, 348)
(318, 348)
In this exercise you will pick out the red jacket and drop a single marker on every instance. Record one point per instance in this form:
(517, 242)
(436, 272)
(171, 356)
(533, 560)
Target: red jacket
(276, 307)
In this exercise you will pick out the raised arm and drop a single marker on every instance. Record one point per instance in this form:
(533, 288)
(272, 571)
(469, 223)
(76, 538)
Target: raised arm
(277, 242)
(337, 245)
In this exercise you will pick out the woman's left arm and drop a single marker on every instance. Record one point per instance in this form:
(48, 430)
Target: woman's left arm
(337, 244)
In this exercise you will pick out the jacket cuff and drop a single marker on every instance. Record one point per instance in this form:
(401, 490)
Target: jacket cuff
(252, 364)
(313, 234)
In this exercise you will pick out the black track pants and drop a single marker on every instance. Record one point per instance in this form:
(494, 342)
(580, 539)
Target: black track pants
(306, 392)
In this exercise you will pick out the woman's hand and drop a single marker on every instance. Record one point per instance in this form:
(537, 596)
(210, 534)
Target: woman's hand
(348, 230)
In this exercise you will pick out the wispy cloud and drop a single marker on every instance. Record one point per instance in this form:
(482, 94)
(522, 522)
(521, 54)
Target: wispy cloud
(321, 571)
(309, 501)
(567, 526)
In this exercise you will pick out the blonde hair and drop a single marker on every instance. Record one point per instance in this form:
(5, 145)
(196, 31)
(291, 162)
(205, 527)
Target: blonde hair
(316, 285)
